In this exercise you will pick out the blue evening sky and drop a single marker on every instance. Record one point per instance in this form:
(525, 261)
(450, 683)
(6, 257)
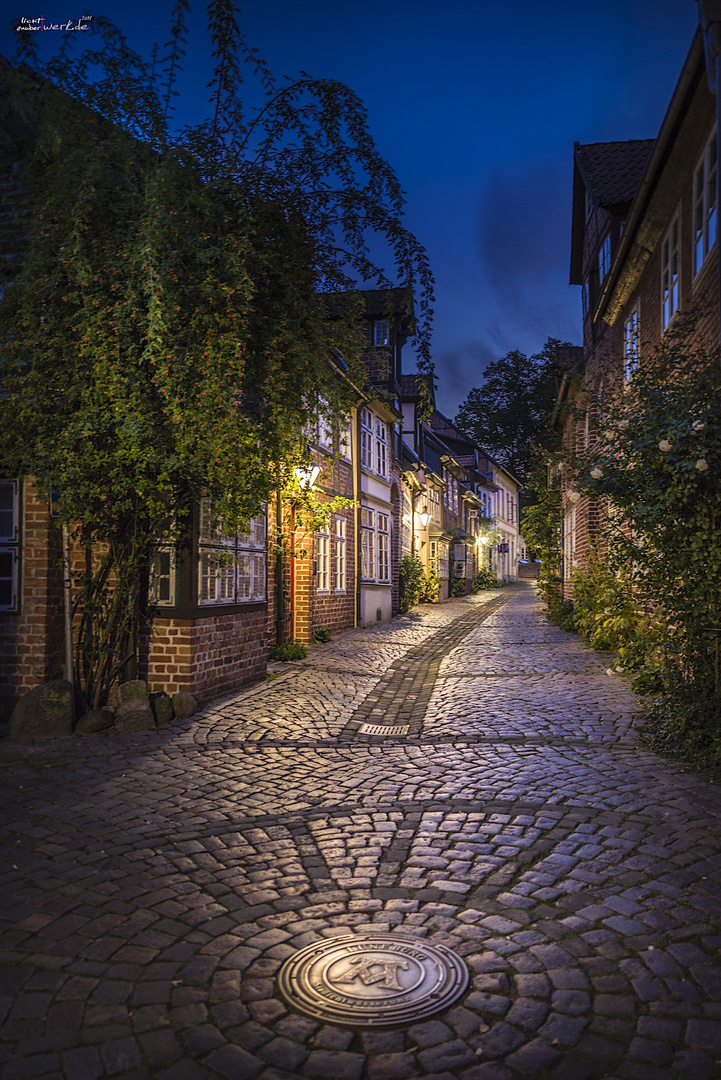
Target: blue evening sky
(476, 105)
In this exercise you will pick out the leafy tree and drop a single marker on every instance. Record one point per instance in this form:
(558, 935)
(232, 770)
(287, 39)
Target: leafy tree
(163, 337)
(513, 407)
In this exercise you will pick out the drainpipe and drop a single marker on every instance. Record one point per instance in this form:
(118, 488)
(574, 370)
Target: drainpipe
(709, 14)
(279, 570)
(68, 606)
(356, 466)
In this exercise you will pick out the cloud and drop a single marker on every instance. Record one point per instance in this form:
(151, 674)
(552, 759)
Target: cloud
(523, 246)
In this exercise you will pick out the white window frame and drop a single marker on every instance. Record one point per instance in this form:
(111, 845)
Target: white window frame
(231, 566)
(10, 545)
(450, 495)
(569, 542)
(163, 576)
(438, 557)
(368, 544)
(630, 343)
(704, 205)
(339, 555)
(670, 271)
(434, 502)
(344, 442)
(384, 548)
(322, 565)
(381, 448)
(381, 334)
(366, 438)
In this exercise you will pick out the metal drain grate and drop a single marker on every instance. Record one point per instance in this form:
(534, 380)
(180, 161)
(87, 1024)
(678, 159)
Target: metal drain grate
(383, 729)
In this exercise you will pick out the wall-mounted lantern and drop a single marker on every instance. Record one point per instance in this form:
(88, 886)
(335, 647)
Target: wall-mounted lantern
(306, 475)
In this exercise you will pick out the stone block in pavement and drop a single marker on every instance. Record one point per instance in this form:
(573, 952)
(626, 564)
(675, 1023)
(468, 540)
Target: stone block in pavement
(533, 1057)
(705, 1034)
(83, 1063)
(334, 1065)
(447, 1055)
(234, 1063)
(399, 1066)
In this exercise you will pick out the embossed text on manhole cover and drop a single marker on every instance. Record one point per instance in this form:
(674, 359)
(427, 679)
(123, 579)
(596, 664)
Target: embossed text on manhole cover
(383, 729)
(372, 980)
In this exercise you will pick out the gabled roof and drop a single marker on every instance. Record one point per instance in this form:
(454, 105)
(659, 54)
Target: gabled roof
(396, 305)
(692, 103)
(381, 303)
(611, 173)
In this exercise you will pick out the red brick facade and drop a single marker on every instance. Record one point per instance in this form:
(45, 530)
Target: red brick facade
(31, 639)
(209, 655)
(630, 196)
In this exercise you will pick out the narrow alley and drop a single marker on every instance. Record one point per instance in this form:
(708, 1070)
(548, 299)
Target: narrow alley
(467, 776)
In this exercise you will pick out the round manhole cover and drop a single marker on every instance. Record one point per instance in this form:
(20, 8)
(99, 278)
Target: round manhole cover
(372, 980)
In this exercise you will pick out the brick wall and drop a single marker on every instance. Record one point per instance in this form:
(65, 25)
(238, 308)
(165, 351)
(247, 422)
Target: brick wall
(313, 608)
(31, 642)
(698, 306)
(210, 655)
(396, 544)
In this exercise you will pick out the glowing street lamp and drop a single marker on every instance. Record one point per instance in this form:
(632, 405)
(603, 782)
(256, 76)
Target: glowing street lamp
(424, 517)
(306, 475)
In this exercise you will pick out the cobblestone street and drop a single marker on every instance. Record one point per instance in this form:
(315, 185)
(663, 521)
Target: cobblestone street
(153, 884)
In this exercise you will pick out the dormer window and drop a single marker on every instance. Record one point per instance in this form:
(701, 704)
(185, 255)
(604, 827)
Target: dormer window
(381, 333)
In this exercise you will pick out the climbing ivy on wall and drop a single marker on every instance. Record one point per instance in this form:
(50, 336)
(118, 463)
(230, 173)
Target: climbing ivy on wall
(656, 459)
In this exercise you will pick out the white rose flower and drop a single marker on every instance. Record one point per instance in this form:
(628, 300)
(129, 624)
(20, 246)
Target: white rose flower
(610, 671)
(596, 472)
(664, 445)
(572, 496)
(702, 464)
(698, 425)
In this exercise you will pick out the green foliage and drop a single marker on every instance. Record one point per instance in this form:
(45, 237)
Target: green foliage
(163, 337)
(457, 584)
(484, 578)
(411, 577)
(322, 635)
(430, 587)
(658, 599)
(417, 586)
(605, 611)
(540, 523)
(561, 613)
(290, 650)
(513, 407)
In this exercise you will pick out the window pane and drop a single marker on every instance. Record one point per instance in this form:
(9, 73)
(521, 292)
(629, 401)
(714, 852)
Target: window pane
(8, 566)
(8, 524)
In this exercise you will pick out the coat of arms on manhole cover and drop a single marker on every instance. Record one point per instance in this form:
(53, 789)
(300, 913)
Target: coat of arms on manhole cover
(372, 980)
